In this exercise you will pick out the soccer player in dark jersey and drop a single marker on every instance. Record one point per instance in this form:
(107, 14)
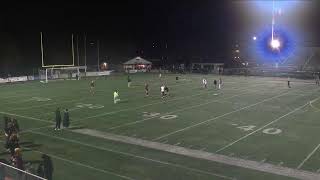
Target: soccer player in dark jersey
(129, 81)
(146, 88)
(215, 84)
(92, 84)
(289, 86)
(166, 89)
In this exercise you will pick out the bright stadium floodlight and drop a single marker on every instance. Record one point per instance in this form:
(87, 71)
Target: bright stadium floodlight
(254, 38)
(275, 44)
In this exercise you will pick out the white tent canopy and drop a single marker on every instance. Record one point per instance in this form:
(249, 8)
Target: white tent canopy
(137, 60)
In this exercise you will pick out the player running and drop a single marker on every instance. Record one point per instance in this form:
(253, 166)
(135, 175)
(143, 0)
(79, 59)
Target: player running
(204, 83)
(115, 97)
(289, 86)
(92, 84)
(166, 90)
(162, 89)
(129, 81)
(146, 88)
(215, 84)
(220, 83)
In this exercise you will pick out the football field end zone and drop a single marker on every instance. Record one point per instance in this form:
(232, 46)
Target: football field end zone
(233, 161)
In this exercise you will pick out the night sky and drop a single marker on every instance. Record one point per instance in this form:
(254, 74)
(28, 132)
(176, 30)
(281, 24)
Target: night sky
(175, 29)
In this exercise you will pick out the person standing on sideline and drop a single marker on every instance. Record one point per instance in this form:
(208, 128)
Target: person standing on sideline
(58, 119)
(47, 166)
(66, 120)
(129, 81)
(220, 83)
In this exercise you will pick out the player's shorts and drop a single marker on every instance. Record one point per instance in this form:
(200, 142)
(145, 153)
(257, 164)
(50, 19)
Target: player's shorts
(162, 93)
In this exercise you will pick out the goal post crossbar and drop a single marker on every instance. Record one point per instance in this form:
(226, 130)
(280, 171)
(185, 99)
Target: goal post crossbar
(66, 72)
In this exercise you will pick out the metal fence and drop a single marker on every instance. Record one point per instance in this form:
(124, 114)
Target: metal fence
(8, 172)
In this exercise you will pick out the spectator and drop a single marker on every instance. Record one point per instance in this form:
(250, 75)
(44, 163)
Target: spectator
(17, 159)
(40, 170)
(47, 167)
(13, 143)
(15, 125)
(66, 120)
(58, 119)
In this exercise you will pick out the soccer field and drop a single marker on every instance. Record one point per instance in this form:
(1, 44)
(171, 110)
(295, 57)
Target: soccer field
(253, 128)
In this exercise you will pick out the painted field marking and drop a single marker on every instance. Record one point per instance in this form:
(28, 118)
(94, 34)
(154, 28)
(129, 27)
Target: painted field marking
(202, 149)
(233, 161)
(178, 110)
(217, 117)
(135, 156)
(308, 157)
(26, 117)
(311, 104)
(155, 103)
(263, 160)
(78, 163)
(276, 120)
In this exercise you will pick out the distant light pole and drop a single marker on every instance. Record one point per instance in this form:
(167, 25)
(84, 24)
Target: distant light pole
(98, 53)
(85, 52)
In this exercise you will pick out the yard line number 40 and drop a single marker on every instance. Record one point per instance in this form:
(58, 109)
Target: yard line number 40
(153, 114)
(272, 131)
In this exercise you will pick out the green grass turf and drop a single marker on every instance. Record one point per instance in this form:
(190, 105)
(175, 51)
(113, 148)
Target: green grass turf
(205, 119)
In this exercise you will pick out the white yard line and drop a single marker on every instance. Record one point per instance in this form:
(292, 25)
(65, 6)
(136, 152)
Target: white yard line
(79, 164)
(135, 156)
(217, 117)
(178, 110)
(26, 117)
(308, 157)
(276, 120)
(243, 163)
(38, 119)
(83, 165)
(151, 104)
(317, 109)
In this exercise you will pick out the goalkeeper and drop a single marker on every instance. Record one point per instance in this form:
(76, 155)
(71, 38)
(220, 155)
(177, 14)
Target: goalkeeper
(116, 97)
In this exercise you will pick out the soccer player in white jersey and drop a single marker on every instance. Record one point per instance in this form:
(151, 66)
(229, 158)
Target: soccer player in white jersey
(220, 83)
(162, 88)
(204, 83)
(116, 97)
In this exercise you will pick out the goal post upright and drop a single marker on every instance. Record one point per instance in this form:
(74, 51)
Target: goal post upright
(56, 65)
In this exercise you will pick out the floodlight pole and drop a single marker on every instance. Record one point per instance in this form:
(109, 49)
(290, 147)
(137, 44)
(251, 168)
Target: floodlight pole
(85, 52)
(41, 45)
(98, 53)
(78, 57)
